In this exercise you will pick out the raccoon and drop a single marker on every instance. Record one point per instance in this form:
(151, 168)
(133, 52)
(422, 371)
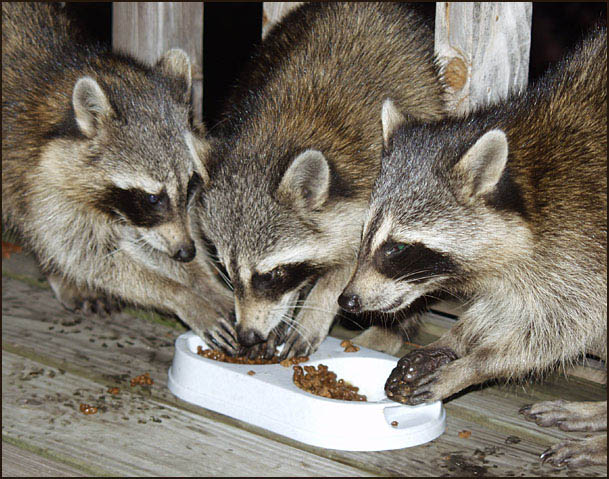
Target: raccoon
(100, 167)
(297, 151)
(509, 206)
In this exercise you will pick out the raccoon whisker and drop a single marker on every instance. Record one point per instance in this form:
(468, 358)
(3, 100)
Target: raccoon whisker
(339, 313)
(297, 327)
(406, 277)
(223, 276)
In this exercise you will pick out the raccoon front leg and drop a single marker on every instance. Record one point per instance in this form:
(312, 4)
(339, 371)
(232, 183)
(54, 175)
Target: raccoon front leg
(204, 311)
(74, 298)
(313, 321)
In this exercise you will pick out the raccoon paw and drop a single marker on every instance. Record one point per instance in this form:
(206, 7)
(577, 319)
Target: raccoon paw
(296, 345)
(567, 415)
(78, 299)
(577, 452)
(266, 349)
(223, 336)
(101, 306)
(411, 380)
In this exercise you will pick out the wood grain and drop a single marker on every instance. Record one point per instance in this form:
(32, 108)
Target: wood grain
(483, 49)
(88, 350)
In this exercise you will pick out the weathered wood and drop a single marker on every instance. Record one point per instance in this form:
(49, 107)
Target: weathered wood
(17, 462)
(272, 12)
(483, 50)
(89, 350)
(148, 29)
(133, 434)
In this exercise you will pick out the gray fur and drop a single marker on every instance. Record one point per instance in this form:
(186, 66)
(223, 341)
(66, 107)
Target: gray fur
(317, 83)
(525, 239)
(81, 127)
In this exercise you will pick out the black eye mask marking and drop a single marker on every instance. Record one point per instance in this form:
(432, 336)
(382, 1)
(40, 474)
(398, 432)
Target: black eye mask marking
(275, 283)
(141, 208)
(412, 262)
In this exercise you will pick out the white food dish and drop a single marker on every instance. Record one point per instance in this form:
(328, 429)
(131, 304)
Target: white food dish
(269, 398)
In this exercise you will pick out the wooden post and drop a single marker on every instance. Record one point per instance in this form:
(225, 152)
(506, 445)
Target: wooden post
(483, 50)
(272, 12)
(146, 30)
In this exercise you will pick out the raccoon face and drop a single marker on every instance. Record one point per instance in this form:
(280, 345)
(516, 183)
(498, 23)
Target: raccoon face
(149, 157)
(275, 241)
(441, 215)
(395, 267)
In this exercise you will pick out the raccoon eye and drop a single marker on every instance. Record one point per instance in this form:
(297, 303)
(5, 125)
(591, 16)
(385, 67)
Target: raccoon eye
(392, 249)
(278, 273)
(153, 199)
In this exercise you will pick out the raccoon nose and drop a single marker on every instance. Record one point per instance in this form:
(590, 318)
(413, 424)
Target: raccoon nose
(186, 252)
(350, 303)
(248, 337)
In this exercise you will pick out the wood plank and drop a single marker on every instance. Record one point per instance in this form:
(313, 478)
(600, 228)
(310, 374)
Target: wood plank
(133, 434)
(491, 414)
(273, 12)
(146, 30)
(483, 49)
(17, 462)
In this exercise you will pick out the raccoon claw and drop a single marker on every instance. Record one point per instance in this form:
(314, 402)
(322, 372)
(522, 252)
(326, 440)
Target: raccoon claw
(296, 346)
(223, 336)
(575, 453)
(411, 380)
(565, 415)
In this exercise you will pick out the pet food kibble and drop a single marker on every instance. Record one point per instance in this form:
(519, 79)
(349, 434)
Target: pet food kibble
(251, 373)
(86, 409)
(464, 434)
(394, 423)
(225, 358)
(349, 346)
(113, 390)
(142, 379)
(321, 382)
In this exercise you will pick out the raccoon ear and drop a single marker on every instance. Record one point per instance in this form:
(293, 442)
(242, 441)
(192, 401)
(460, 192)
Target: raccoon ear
(90, 105)
(175, 63)
(306, 182)
(480, 169)
(391, 118)
(199, 149)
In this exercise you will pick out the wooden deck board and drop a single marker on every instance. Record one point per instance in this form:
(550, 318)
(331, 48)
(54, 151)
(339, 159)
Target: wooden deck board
(17, 462)
(134, 434)
(107, 352)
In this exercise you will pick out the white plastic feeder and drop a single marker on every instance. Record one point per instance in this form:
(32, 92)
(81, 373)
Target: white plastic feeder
(269, 398)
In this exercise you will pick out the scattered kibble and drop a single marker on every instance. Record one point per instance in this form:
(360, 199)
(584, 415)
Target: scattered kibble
(113, 390)
(286, 363)
(87, 409)
(349, 346)
(465, 434)
(321, 382)
(142, 379)
(251, 373)
(395, 423)
(10, 248)
(221, 356)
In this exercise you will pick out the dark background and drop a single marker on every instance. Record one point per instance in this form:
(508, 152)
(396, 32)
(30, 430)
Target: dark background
(231, 29)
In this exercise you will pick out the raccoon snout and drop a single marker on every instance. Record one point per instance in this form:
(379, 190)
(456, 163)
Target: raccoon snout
(248, 336)
(186, 252)
(350, 303)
